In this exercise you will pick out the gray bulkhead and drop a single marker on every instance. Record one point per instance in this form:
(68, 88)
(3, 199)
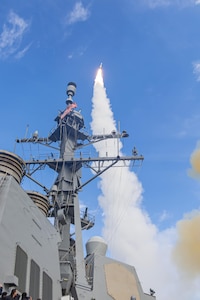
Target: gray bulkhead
(26, 230)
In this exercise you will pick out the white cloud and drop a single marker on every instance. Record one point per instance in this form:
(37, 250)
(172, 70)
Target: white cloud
(156, 3)
(78, 14)
(162, 3)
(196, 69)
(164, 216)
(77, 52)
(12, 34)
(22, 52)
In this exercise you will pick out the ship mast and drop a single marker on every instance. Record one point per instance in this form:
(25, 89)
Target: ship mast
(70, 136)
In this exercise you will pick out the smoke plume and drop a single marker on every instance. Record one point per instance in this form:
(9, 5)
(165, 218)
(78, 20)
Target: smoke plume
(186, 253)
(187, 250)
(195, 163)
(128, 229)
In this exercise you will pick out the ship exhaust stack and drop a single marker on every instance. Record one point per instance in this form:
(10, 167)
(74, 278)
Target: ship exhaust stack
(12, 164)
(40, 200)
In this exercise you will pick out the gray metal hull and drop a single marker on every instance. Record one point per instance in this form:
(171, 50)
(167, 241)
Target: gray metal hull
(23, 225)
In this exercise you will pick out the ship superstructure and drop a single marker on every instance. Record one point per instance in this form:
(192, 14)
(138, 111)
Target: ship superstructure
(45, 260)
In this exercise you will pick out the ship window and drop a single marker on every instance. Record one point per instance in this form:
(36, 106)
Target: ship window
(46, 287)
(34, 280)
(21, 268)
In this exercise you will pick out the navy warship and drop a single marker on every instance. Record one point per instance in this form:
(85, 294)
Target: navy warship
(45, 259)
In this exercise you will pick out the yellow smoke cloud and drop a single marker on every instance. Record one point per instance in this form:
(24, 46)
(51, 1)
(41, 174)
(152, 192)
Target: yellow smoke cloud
(195, 162)
(186, 253)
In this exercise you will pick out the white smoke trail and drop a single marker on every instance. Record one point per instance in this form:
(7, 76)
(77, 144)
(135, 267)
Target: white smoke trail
(131, 236)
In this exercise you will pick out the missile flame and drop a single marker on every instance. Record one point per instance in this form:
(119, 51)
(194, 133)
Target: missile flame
(99, 76)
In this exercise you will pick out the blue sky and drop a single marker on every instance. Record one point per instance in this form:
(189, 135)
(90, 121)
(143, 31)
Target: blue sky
(150, 52)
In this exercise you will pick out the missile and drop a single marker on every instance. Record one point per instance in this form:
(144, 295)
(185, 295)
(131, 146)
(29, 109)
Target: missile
(101, 66)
